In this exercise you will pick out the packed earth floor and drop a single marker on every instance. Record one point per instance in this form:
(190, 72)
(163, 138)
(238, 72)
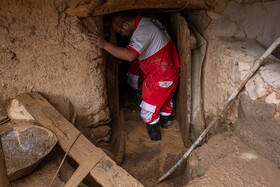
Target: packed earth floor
(148, 160)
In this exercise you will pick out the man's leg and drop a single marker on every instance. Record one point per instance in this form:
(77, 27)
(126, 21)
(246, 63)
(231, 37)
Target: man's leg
(167, 108)
(154, 96)
(150, 118)
(166, 113)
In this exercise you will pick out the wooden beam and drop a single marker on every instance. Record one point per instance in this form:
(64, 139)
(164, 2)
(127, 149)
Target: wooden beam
(97, 7)
(105, 172)
(112, 6)
(180, 29)
(83, 170)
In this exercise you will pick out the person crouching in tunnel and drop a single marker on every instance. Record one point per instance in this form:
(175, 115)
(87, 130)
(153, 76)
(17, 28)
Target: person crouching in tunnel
(158, 59)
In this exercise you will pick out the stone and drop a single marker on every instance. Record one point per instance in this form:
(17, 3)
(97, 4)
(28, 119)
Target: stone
(244, 68)
(258, 127)
(24, 146)
(256, 87)
(271, 74)
(272, 99)
(19, 113)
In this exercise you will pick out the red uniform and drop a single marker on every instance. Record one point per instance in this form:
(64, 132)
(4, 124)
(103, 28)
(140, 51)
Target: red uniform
(159, 62)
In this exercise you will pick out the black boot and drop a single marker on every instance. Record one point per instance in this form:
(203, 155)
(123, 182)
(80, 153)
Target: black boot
(165, 121)
(154, 131)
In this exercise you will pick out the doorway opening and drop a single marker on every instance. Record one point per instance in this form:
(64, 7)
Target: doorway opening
(142, 158)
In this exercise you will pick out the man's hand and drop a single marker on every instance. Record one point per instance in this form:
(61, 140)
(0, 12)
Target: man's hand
(96, 40)
(119, 52)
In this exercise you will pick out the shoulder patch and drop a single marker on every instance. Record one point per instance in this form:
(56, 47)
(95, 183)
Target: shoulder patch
(131, 43)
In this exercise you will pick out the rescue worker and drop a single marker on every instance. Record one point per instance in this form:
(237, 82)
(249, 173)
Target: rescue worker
(158, 60)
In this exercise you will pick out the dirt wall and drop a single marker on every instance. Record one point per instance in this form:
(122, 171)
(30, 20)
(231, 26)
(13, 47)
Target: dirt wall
(42, 49)
(238, 33)
(235, 20)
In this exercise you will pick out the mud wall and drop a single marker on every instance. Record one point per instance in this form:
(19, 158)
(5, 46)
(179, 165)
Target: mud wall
(42, 49)
(240, 20)
(259, 21)
(238, 32)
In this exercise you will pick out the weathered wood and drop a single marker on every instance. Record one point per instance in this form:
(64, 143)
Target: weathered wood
(83, 170)
(106, 172)
(97, 7)
(112, 6)
(4, 182)
(183, 100)
(231, 98)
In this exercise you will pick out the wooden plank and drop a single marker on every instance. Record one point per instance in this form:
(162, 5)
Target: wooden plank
(97, 7)
(112, 6)
(183, 100)
(83, 170)
(45, 114)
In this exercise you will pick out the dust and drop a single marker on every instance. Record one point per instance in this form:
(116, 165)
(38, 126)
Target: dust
(226, 161)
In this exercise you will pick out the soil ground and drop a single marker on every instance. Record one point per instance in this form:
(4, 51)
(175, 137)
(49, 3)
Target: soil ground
(222, 161)
(226, 161)
(144, 159)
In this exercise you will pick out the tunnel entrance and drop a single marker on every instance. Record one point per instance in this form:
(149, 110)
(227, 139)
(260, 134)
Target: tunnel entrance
(136, 153)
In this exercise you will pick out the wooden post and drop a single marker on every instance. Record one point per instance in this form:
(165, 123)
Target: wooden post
(112, 6)
(4, 182)
(183, 99)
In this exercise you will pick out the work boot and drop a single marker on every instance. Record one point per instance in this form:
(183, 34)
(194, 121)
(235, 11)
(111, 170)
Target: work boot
(165, 121)
(154, 131)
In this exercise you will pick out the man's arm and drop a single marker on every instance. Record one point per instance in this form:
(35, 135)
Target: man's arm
(118, 52)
